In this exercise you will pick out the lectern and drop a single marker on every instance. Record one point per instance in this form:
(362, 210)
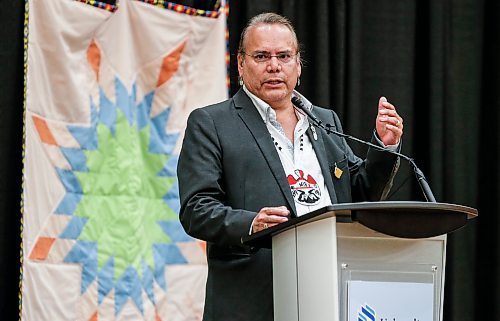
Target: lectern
(362, 261)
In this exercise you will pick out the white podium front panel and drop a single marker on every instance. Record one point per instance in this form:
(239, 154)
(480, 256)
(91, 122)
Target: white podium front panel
(368, 258)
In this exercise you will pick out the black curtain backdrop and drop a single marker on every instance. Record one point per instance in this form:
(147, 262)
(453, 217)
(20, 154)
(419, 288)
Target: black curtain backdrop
(438, 61)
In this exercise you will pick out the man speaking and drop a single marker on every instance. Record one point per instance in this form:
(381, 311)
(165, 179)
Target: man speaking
(255, 160)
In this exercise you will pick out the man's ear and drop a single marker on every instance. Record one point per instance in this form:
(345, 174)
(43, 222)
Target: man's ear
(299, 67)
(240, 64)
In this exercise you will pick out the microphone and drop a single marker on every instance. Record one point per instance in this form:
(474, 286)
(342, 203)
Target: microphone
(422, 182)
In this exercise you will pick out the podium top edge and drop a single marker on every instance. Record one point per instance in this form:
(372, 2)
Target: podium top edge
(345, 211)
(470, 211)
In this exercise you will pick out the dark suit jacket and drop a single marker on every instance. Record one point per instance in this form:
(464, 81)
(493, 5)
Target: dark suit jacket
(228, 170)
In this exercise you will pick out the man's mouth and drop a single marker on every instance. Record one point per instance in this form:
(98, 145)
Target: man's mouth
(274, 81)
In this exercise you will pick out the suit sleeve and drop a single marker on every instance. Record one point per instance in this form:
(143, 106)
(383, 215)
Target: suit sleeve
(204, 213)
(372, 177)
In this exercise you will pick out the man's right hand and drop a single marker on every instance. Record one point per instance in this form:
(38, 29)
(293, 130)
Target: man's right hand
(268, 217)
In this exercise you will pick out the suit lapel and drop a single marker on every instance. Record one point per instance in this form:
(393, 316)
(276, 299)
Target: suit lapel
(253, 121)
(319, 149)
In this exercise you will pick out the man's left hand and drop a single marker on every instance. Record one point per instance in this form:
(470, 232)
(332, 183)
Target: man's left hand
(389, 124)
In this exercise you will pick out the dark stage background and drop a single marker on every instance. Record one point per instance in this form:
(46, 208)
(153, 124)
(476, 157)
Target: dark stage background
(438, 61)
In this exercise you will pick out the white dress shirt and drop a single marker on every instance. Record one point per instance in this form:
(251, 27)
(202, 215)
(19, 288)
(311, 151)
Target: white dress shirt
(298, 158)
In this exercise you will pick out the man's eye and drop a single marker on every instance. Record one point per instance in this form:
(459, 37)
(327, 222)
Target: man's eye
(260, 56)
(284, 56)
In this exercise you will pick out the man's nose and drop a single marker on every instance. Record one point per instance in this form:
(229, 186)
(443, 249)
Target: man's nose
(274, 64)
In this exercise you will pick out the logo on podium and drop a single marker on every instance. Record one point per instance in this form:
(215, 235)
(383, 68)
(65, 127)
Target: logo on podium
(366, 313)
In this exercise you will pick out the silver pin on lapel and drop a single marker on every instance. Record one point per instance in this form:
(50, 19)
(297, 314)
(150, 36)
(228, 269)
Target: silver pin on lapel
(315, 136)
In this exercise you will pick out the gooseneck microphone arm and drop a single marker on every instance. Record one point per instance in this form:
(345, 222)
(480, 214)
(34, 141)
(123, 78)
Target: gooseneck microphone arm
(422, 182)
